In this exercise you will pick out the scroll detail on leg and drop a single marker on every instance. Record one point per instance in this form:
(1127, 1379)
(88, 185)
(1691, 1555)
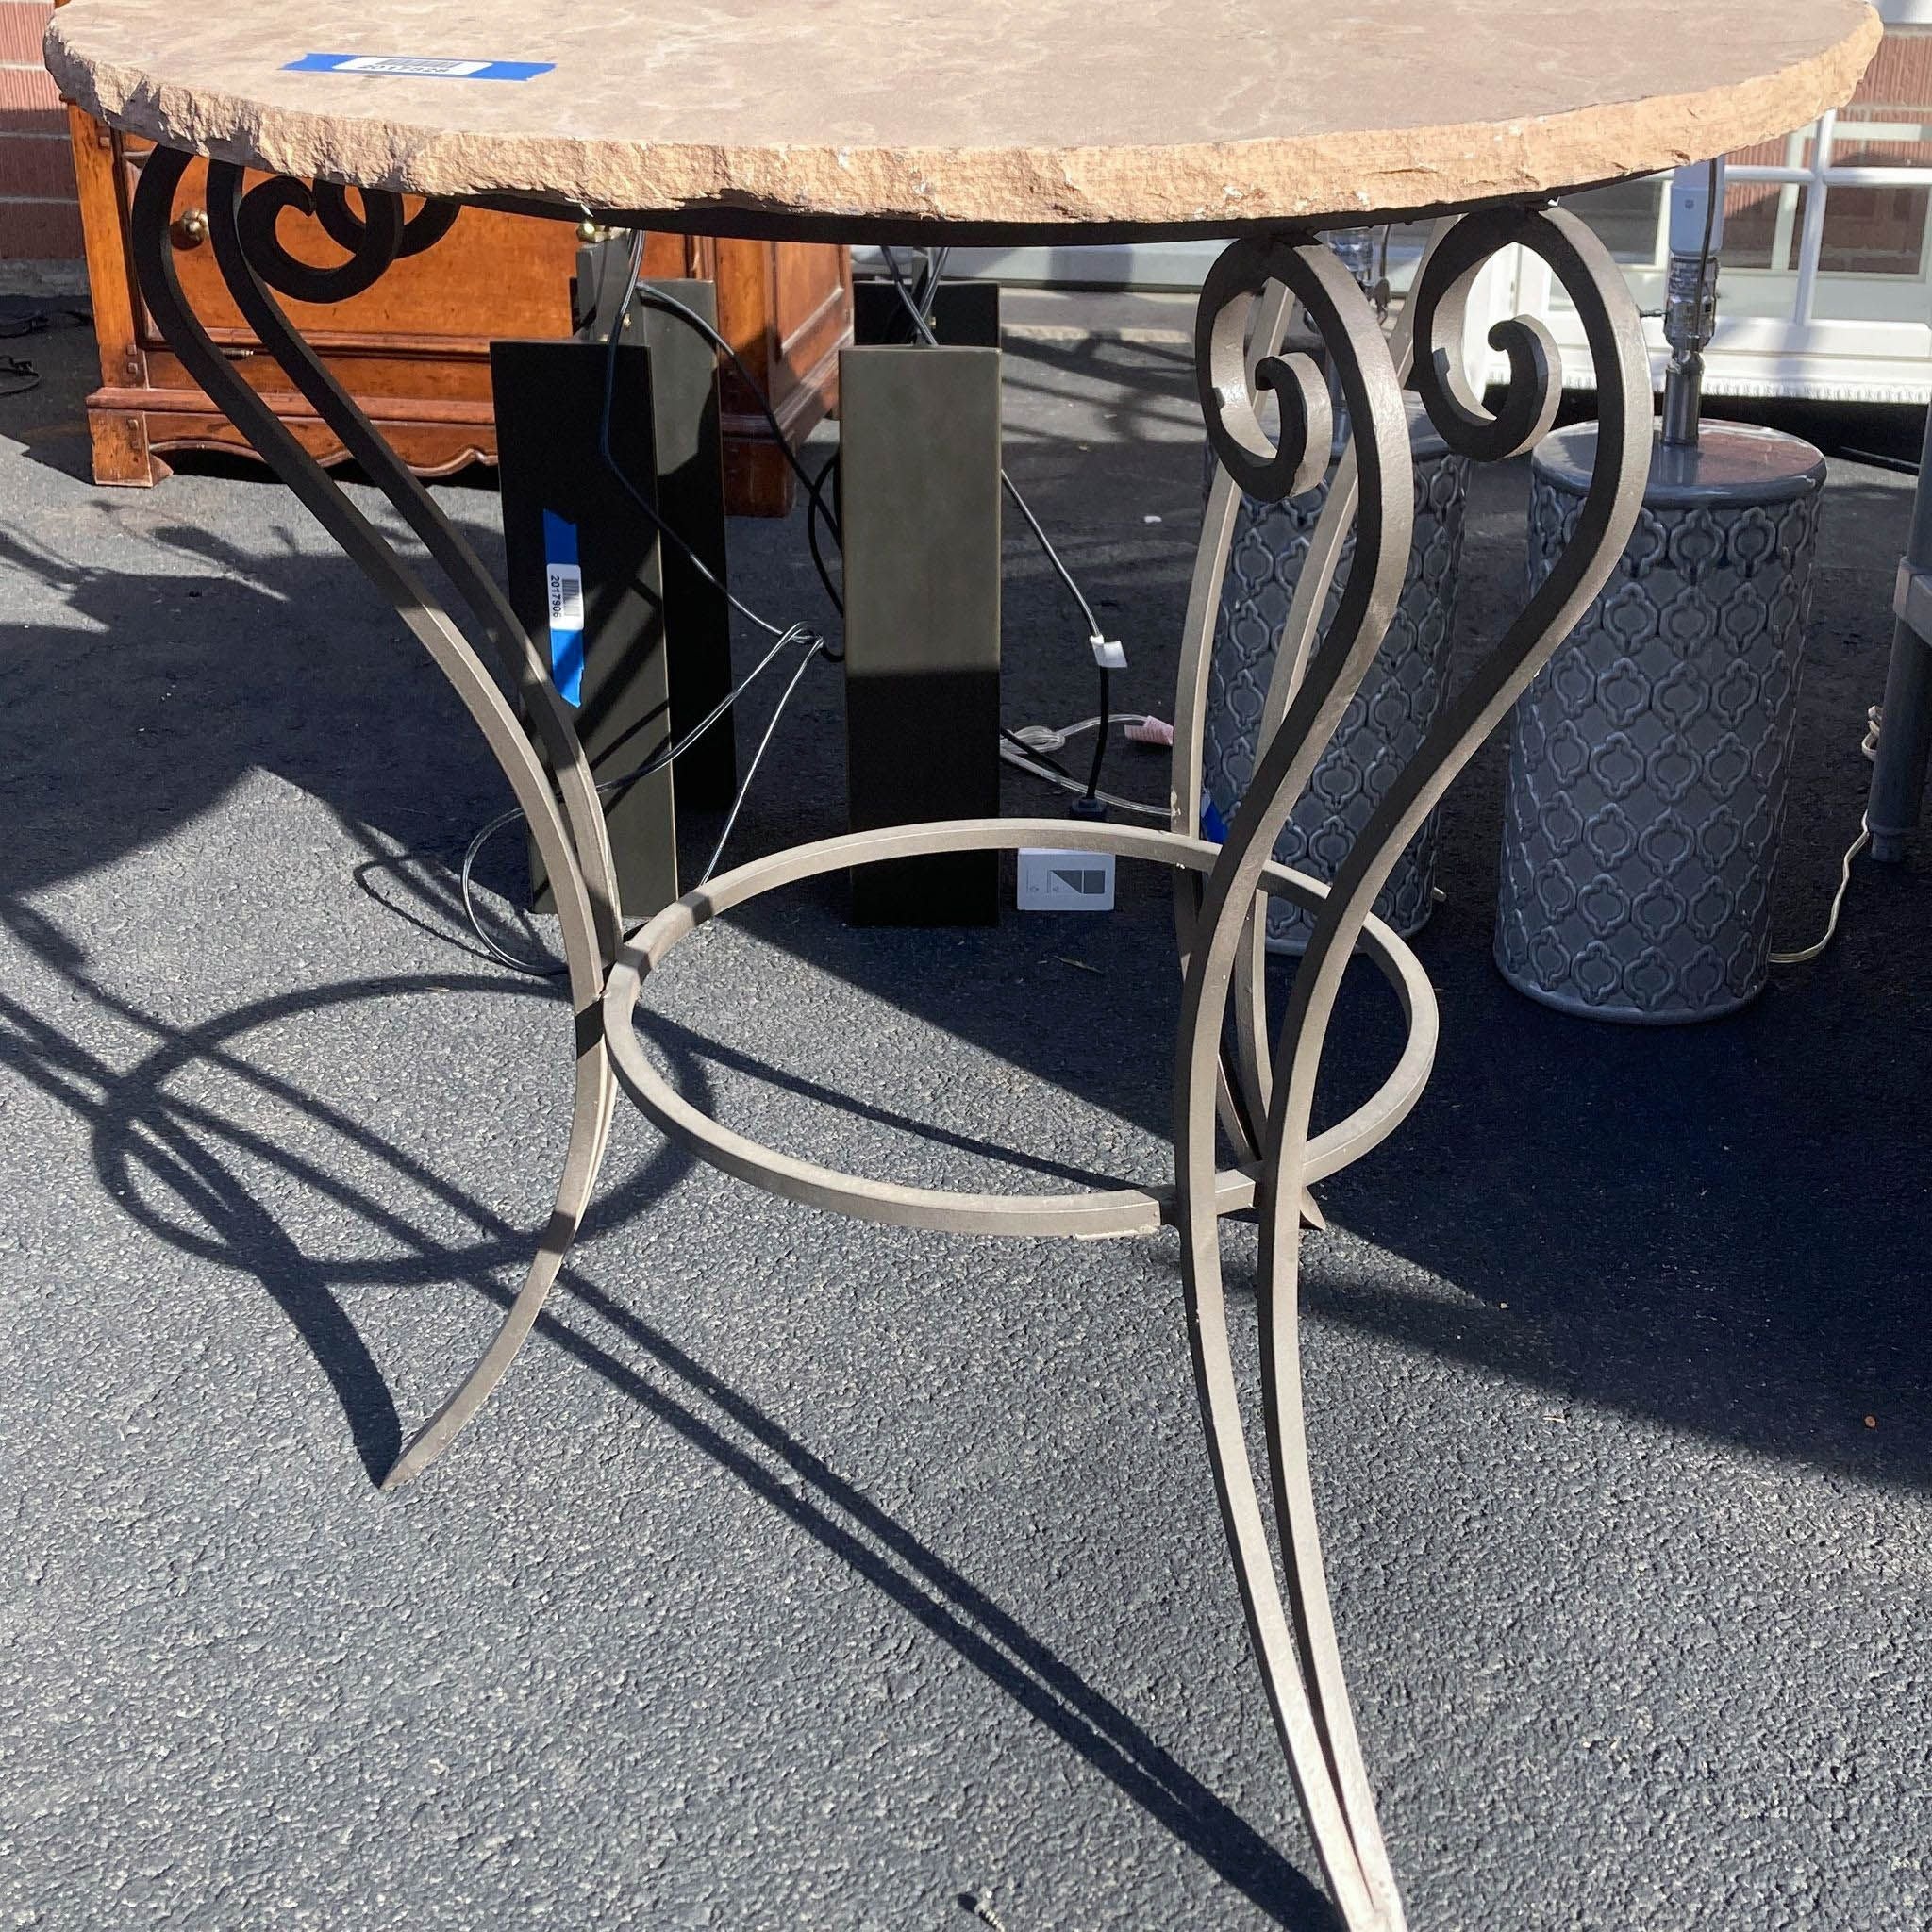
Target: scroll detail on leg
(374, 240)
(1292, 1629)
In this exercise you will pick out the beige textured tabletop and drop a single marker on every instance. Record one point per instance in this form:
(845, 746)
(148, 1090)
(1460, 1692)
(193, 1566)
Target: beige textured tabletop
(1172, 114)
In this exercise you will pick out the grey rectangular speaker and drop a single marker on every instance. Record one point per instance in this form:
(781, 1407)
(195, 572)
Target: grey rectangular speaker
(919, 497)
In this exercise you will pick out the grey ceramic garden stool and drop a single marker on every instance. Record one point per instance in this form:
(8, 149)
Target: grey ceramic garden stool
(1388, 716)
(1648, 761)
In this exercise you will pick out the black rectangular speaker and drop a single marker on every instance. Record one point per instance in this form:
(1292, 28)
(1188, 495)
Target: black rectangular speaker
(586, 581)
(690, 498)
(655, 621)
(965, 315)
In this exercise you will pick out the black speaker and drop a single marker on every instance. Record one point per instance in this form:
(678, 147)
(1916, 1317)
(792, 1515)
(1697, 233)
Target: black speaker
(638, 635)
(965, 315)
(586, 581)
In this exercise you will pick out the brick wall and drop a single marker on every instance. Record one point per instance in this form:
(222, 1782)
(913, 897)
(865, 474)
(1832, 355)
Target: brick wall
(39, 220)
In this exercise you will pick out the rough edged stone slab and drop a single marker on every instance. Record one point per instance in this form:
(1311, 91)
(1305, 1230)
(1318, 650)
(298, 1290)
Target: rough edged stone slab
(1162, 113)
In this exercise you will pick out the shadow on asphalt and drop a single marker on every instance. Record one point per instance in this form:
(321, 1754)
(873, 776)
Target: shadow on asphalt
(143, 1132)
(224, 670)
(1721, 1227)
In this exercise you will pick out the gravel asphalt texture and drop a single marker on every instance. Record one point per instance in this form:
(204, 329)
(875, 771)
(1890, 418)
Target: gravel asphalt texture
(811, 1575)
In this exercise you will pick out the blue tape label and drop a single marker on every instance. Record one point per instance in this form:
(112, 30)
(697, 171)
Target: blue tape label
(564, 582)
(411, 67)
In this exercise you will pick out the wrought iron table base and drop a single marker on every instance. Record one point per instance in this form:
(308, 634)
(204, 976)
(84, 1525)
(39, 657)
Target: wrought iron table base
(1260, 1096)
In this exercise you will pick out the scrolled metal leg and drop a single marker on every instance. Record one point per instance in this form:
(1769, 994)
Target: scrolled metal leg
(1347, 1842)
(571, 840)
(1246, 1078)
(1295, 1636)
(1291, 652)
(1594, 284)
(1241, 1106)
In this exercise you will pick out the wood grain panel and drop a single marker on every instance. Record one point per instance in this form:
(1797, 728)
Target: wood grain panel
(414, 349)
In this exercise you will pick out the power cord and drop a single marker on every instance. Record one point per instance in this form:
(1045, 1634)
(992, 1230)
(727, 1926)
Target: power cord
(814, 509)
(751, 771)
(16, 372)
(550, 969)
(671, 306)
(816, 506)
(1803, 955)
(1029, 749)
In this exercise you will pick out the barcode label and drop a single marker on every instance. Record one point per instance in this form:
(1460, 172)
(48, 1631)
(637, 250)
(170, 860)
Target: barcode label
(563, 579)
(566, 599)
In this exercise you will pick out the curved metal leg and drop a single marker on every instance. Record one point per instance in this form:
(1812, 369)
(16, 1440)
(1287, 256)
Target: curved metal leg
(1294, 1632)
(1291, 652)
(1596, 287)
(1349, 1851)
(571, 840)
(1241, 1106)
(1246, 1078)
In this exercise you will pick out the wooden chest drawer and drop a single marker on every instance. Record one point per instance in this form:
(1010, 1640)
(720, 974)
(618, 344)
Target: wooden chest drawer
(414, 350)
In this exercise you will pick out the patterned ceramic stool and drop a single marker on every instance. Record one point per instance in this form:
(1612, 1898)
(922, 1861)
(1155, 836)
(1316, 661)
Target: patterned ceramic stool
(1389, 714)
(1648, 761)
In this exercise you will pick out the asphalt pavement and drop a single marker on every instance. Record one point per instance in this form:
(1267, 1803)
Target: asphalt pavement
(810, 1574)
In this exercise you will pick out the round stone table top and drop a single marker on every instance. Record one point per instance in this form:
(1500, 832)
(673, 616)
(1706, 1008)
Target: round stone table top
(1201, 116)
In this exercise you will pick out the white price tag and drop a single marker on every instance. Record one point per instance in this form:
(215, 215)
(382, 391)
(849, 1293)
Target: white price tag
(398, 63)
(1051, 881)
(566, 599)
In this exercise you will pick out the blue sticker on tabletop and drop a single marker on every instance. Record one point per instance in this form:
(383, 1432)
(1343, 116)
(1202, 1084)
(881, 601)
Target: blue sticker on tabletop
(413, 67)
(564, 583)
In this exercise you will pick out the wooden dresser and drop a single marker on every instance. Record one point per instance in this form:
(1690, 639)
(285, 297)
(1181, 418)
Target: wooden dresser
(414, 349)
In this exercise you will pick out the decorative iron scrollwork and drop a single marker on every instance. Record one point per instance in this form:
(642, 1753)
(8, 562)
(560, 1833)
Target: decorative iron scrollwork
(340, 222)
(1232, 373)
(376, 239)
(1289, 1616)
(1441, 306)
